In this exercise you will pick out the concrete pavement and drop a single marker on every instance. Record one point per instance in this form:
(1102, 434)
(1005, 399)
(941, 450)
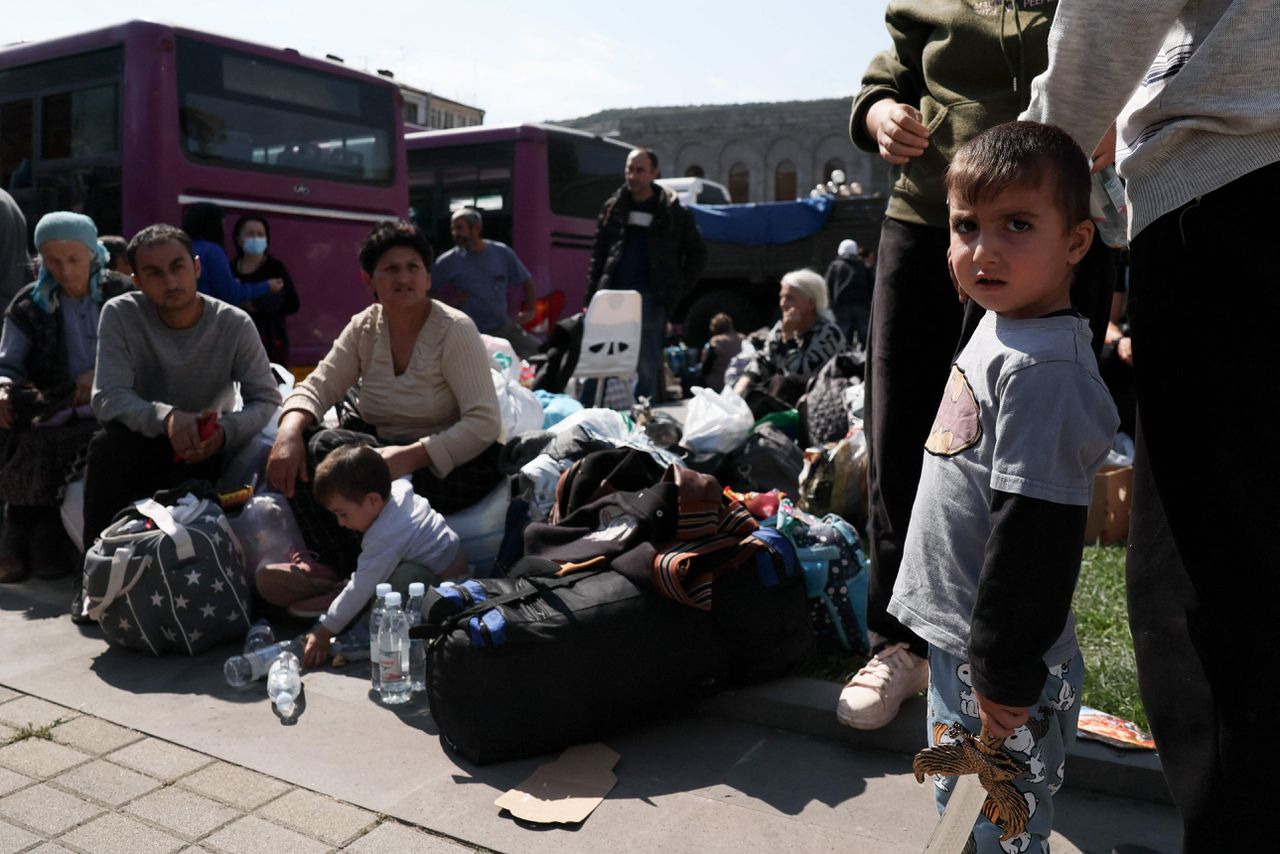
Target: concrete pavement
(720, 779)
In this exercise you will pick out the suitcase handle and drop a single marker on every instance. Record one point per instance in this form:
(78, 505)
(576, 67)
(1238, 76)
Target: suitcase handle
(115, 581)
(158, 513)
(426, 630)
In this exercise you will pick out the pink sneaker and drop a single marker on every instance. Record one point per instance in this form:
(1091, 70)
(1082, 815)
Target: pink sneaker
(873, 696)
(302, 578)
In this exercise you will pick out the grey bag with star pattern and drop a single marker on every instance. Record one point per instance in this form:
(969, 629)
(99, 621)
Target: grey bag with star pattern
(165, 579)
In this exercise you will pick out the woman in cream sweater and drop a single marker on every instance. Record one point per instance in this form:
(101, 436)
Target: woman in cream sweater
(425, 398)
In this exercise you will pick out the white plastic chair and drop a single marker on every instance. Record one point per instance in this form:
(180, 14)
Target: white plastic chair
(610, 339)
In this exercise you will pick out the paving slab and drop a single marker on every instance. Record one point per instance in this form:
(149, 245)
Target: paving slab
(47, 810)
(119, 834)
(318, 816)
(253, 835)
(238, 787)
(6, 695)
(93, 735)
(159, 759)
(11, 781)
(391, 837)
(182, 813)
(108, 784)
(40, 758)
(14, 839)
(32, 711)
(702, 782)
(51, 848)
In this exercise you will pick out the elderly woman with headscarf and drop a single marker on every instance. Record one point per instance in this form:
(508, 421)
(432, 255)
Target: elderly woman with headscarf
(47, 357)
(800, 343)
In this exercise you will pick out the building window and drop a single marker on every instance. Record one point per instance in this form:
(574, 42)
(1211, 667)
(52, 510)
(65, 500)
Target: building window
(784, 181)
(832, 165)
(695, 171)
(739, 183)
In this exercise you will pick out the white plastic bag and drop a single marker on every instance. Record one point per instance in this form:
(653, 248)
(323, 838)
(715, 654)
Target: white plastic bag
(518, 408)
(717, 422)
(267, 531)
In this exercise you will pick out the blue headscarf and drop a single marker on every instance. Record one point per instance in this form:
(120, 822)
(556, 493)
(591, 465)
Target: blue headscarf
(66, 225)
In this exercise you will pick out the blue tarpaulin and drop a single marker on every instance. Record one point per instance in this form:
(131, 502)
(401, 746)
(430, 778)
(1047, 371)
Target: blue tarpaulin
(763, 224)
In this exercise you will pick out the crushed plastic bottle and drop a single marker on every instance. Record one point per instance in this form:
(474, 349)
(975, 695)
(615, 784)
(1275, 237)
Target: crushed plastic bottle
(240, 670)
(284, 682)
(260, 635)
(1108, 208)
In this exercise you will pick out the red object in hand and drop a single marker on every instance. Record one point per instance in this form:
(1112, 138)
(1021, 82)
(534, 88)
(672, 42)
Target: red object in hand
(206, 425)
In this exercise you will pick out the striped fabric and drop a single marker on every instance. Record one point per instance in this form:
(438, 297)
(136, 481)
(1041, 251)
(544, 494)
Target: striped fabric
(686, 569)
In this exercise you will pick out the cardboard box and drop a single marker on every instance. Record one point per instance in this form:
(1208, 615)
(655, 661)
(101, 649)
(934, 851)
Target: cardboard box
(1109, 510)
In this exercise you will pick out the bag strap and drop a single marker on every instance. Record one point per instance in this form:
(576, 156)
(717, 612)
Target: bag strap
(115, 581)
(158, 513)
(538, 585)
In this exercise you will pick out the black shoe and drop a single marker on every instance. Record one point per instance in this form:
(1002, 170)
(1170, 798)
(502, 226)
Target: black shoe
(78, 616)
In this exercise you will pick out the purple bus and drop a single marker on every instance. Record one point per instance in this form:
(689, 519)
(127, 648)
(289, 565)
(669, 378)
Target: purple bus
(539, 188)
(130, 123)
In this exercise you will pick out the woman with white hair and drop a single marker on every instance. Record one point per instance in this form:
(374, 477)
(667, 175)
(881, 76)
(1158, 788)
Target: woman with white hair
(800, 343)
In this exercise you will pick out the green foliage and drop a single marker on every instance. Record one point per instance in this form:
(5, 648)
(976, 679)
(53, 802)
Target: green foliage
(31, 731)
(1102, 624)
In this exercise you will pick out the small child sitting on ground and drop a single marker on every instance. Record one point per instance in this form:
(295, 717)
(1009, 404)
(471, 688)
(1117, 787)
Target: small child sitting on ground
(404, 539)
(993, 549)
(724, 345)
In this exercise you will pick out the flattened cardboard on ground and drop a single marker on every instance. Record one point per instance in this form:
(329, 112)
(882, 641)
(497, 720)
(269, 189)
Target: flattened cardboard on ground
(1109, 510)
(566, 790)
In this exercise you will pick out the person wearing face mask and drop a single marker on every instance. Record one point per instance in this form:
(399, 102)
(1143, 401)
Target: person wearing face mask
(254, 263)
(47, 361)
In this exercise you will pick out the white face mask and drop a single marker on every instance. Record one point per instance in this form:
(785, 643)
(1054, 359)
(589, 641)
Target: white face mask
(254, 245)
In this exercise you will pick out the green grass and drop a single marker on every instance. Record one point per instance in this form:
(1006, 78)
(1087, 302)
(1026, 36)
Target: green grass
(31, 731)
(1102, 625)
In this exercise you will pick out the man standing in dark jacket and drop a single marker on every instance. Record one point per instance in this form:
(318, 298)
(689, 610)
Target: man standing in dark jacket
(647, 241)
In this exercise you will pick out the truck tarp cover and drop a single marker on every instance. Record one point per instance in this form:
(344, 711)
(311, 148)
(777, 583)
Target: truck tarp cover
(762, 224)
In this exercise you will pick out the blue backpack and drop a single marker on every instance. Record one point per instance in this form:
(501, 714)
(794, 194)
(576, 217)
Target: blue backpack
(835, 567)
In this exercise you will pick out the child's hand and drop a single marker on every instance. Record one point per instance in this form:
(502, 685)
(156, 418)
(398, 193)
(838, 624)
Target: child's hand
(1002, 720)
(316, 651)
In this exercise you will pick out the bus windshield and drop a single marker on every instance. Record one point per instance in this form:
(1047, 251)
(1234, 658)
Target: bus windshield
(237, 109)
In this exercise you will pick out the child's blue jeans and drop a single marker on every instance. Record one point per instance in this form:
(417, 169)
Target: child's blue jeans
(1040, 744)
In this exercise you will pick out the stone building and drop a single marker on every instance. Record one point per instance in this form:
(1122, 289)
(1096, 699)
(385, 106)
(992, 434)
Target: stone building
(761, 152)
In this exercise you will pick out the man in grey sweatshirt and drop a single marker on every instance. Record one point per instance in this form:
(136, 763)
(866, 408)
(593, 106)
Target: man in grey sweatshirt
(1193, 87)
(168, 362)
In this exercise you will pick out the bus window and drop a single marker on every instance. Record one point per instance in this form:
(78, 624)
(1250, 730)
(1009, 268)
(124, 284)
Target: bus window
(16, 135)
(80, 124)
(445, 180)
(242, 110)
(583, 173)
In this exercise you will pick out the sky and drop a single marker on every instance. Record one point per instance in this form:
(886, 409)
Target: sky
(541, 60)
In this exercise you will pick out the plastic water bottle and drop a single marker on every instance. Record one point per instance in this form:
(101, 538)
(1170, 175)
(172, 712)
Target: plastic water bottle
(1108, 208)
(393, 653)
(375, 622)
(284, 682)
(240, 670)
(413, 610)
(260, 635)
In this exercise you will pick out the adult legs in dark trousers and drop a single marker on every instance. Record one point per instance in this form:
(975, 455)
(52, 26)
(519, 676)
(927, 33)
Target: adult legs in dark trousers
(1203, 568)
(124, 466)
(915, 324)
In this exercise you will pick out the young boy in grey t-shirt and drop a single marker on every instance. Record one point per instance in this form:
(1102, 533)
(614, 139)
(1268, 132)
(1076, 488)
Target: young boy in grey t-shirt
(993, 550)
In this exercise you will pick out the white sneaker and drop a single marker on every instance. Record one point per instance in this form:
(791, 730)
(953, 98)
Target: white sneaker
(873, 695)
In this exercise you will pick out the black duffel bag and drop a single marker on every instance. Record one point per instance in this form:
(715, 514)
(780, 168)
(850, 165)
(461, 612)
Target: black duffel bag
(540, 663)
